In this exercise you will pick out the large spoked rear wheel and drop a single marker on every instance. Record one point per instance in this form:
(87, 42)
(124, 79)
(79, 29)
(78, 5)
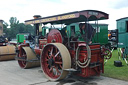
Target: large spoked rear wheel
(55, 58)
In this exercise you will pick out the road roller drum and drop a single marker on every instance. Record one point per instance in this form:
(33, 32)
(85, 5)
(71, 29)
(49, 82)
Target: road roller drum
(27, 58)
(7, 52)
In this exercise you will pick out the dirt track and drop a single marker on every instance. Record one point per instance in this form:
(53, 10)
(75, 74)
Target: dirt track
(12, 74)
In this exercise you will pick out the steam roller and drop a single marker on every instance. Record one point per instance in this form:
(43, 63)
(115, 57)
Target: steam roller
(27, 58)
(66, 49)
(7, 52)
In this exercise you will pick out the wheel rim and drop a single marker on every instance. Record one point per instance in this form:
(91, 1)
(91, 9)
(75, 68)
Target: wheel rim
(22, 63)
(53, 61)
(52, 57)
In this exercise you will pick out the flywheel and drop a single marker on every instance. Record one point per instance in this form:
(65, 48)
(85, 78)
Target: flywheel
(54, 36)
(27, 58)
(55, 58)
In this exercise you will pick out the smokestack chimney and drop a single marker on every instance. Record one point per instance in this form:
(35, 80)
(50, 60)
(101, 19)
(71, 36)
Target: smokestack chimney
(1, 27)
(36, 16)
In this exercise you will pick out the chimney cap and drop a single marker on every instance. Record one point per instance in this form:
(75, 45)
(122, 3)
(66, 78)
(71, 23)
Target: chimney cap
(36, 16)
(1, 20)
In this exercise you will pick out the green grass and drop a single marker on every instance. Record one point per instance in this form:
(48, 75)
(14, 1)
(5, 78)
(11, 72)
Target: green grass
(116, 72)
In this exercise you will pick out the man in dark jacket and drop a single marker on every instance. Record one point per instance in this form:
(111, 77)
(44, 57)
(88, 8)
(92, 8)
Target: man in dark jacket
(87, 32)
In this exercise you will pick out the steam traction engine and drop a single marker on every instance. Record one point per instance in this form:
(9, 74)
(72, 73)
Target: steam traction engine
(7, 52)
(68, 48)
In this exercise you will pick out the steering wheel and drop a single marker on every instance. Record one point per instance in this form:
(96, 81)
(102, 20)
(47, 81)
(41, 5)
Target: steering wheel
(106, 53)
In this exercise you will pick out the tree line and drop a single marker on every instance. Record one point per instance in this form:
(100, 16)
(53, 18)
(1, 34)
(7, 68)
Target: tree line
(14, 28)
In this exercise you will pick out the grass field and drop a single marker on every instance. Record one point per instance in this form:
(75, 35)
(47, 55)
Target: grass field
(116, 72)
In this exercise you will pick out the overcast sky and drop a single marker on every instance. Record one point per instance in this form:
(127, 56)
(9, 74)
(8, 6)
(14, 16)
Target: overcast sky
(25, 9)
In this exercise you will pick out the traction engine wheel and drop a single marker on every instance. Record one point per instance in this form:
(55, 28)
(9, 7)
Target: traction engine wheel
(27, 56)
(55, 58)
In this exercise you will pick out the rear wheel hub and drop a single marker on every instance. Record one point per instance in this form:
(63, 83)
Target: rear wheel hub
(51, 62)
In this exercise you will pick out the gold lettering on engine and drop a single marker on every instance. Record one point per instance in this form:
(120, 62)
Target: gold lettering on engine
(66, 16)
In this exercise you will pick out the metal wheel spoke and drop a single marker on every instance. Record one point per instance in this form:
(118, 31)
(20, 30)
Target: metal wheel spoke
(48, 56)
(60, 66)
(105, 54)
(51, 52)
(24, 55)
(57, 71)
(51, 69)
(58, 62)
(46, 59)
(59, 58)
(56, 50)
(57, 54)
(46, 65)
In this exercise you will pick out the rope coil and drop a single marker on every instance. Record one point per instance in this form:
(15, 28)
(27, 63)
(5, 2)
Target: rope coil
(87, 61)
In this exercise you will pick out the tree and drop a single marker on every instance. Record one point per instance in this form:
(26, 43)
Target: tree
(13, 27)
(16, 27)
(5, 29)
(29, 29)
(5, 25)
(13, 21)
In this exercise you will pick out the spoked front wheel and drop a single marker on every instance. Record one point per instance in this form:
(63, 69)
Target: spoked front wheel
(55, 58)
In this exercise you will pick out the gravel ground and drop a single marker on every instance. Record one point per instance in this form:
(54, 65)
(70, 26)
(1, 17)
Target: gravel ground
(12, 74)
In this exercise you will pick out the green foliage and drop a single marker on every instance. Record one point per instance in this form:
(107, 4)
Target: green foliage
(116, 72)
(5, 25)
(13, 21)
(16, 27)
